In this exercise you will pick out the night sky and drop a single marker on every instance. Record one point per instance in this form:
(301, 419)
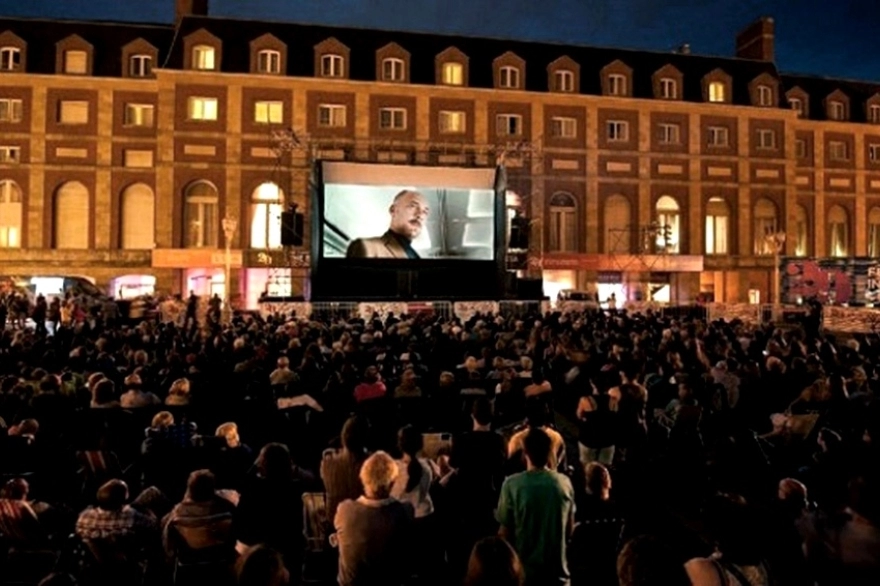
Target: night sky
(836, 38)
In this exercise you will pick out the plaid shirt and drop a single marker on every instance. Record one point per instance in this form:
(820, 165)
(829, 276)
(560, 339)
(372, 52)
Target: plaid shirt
(96, 523)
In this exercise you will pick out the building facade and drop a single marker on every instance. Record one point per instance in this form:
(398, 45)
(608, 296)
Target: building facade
(123, 147)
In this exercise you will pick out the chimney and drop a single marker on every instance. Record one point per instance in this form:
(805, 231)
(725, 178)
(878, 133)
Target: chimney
(190, 8)
(756, 41)
(685, 49)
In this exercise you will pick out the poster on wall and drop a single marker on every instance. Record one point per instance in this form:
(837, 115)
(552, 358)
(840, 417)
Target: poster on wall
(833, 281)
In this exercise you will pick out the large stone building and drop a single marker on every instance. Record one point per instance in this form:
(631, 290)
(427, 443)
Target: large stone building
(123, 146)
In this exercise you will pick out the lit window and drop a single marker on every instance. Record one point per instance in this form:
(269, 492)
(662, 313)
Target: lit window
(266, 208)
(331, 115)
(765, 223)
(797, 105)
(392, 69)
(717, 91)
(668, 89)
(617, 130)
(452, 73)
(668, 220)
(836, 110)
(508, 125)
(10, 154)
(269, 112)
(669, 133)
(392, 118)
(508, 77)
(766, 138)
(269, 61)
(616, 85)
(10, 110)
(563, 127)
(718, 136)
(10, 215)
(838, 232)
(139, 114)
(202, 108)
(838, 151)
(452, 122)
(10, 58)
(332, 66)
(73, 112)
(874, 113)
(765, 95)
(76, 62)
(203, 57)
(201, 216)
(564, 80)
(140, 66)
(801, 230)
(717, 225)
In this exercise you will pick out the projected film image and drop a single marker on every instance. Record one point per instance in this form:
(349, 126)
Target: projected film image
(408, 220)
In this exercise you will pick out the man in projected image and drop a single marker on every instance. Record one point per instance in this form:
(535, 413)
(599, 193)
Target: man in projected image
(409, 213)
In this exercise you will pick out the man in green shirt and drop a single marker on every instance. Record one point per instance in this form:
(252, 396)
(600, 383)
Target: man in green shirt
(536, 513)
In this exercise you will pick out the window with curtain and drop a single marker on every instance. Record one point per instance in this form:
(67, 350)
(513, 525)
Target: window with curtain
(765, 223)
(874, 232)
(138, 217)
(801, 231)
(838, 231)
(201, 215)
(562, 223)
(10, 214)
(617, 216)
(717, 226)
(71, 216)
(267, 203)
(668, 217)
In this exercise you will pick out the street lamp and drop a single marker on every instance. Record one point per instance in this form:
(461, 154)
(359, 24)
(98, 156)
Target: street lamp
(775, 241)
(229, 226)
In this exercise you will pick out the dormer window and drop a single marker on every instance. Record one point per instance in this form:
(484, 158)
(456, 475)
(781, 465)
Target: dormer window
(140, 66)
(564, 80)
(616, 84)
(797, 105)
(393, 69)
(765, 95)
(203, 58)
(76, 62)
(508, 77)
(874, 113)
(836, 110)
(452, 73)
(10, 58)
(269, 61)
(668, 89)
(332, 65)
(717, 92)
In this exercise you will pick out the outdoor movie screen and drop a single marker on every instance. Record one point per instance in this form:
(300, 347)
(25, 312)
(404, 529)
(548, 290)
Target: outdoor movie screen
(380, 211)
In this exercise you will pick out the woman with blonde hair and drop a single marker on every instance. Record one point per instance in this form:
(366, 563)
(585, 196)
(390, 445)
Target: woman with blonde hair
(234, 459)
(178, 394)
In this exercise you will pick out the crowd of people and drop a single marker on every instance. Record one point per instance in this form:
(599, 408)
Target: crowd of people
(599, 448)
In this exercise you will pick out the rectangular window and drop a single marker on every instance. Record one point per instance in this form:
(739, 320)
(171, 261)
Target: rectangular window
(800, 148)
(73, 112)
(874, 153)
(10, 110)
(453, 73)
(718, 136)
(392, 69)
(269, 61)
(10, 154)
(508, 125)
(874, 114)
(668, 89)
(616, 84)
(76, 62)
(509, 77)
(331, 115)
(618, 130)
(269, 112)
(137, 158)
(452, 122)
(392, 118)
(669, 133)
(564, 81)
(797, 105)
(203, 57)
(838, 151)
(836, 110)
(716, 234)
(139, 115)
(563, 127)
(10, 58)
(716, 92)
(141, 66)
(766, 138)
(331, 66)
(202, 108)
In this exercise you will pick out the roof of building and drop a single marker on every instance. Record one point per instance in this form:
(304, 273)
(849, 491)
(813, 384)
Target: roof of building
(819, 88)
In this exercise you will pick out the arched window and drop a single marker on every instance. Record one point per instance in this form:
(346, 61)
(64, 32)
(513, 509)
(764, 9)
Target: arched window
(201, 215)
(669, 221)
(138, 217)
(617, 216)
(717, 226)
(765, 224)
(266, 207)
(10, 215)
(874, 232)
(801, 231)
(72, 216)
(562, 223)
(838, 232)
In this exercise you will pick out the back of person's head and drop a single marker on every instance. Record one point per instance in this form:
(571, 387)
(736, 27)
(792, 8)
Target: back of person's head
(16, 489)
(200, 486)
(731, 523)
(112, 495)
(371, 375)
(261, 566)
(179, 388)
(354, 435)
(378, 474)
(162, 419)
(274, 461)
(58, 579)
(483, 411)
(537, 413)
(50, 383)
(537, 447)
(598, 480)
(104, 392)
(494, 562)
(649, 561)
(410, 442)
(793, 493)
(229, 431)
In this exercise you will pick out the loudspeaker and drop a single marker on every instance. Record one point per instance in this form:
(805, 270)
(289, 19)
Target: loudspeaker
(530, 289)
(291, 229)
